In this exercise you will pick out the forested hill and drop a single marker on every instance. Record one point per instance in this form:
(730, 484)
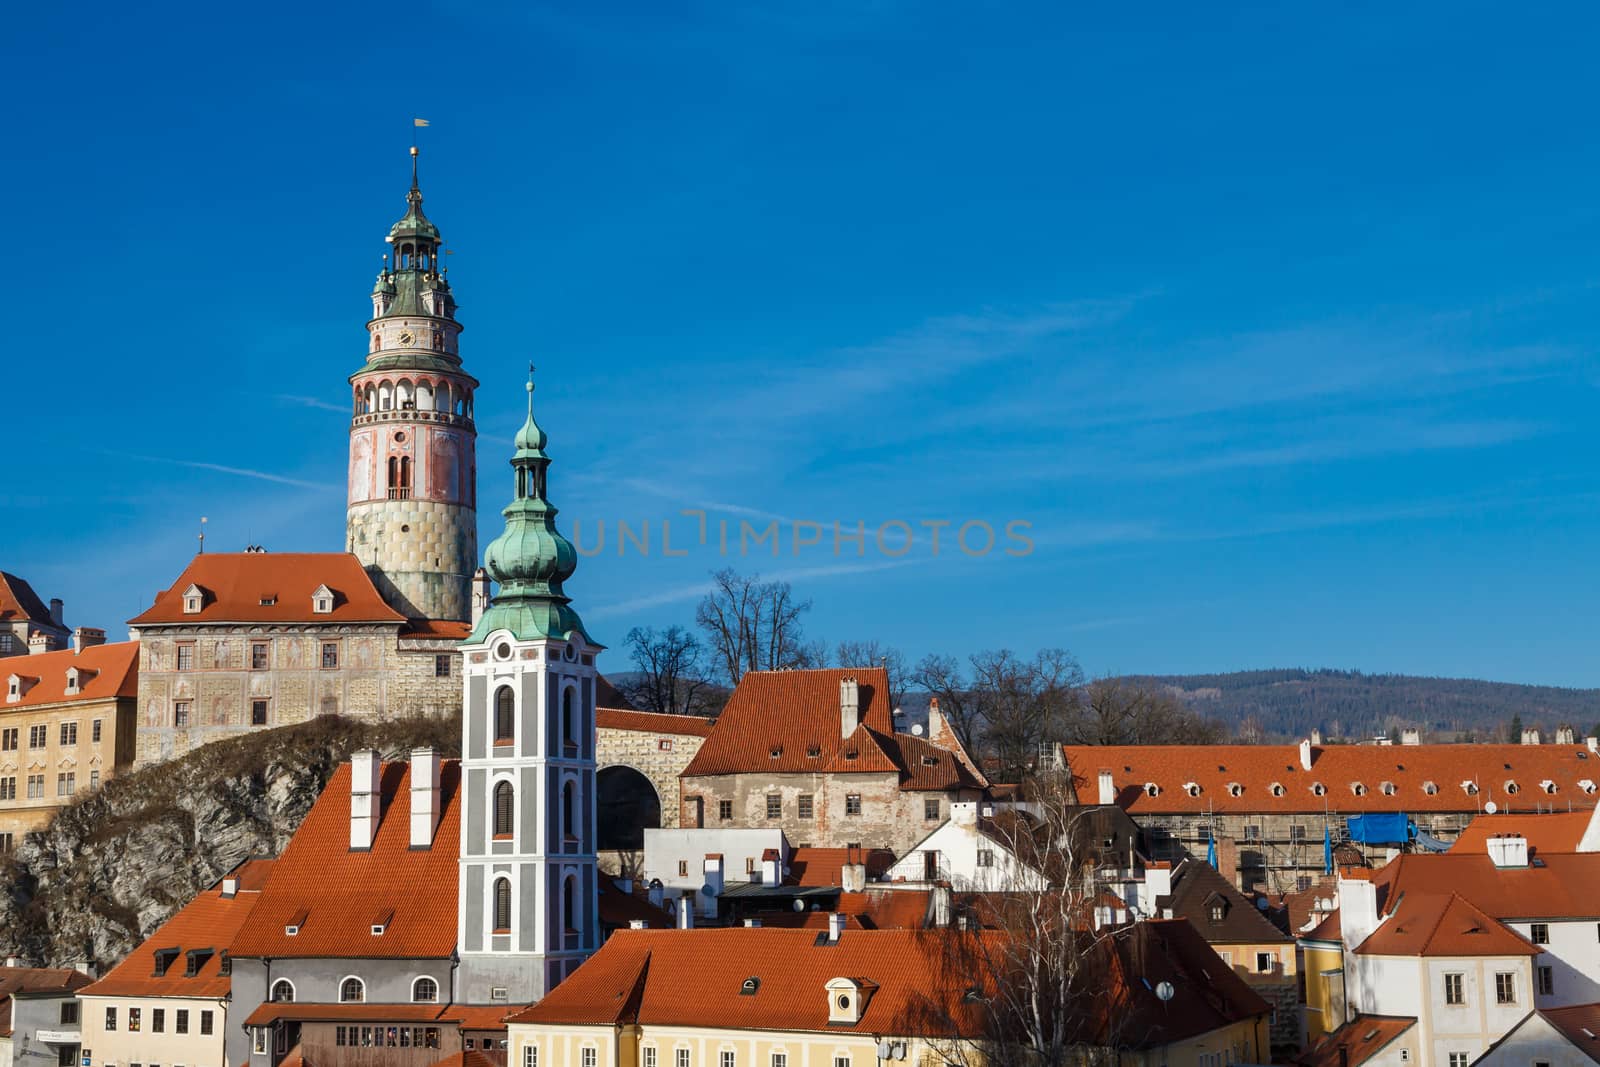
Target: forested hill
(1287, 704)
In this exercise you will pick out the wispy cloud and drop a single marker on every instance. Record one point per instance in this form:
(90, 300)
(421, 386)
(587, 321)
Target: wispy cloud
(310, 402)
(696, 590)
(242, 472)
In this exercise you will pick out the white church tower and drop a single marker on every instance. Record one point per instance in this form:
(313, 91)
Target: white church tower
(529, 895)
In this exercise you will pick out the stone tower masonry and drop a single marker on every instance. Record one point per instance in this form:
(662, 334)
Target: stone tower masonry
(412, 518)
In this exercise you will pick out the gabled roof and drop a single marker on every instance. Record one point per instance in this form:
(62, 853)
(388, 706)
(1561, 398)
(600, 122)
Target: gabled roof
(776, 720)
(1435, 924)
(209, 923)
(1196, 885)
(236, 584)
(115, 667)
(1409, 769)
(650, 722)
(1551, 887)
(1357, 1041)
(19, 601)
(340, 891)
(37, 980)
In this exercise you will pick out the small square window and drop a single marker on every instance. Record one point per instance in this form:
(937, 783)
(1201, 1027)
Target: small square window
(852, 804)
(441, 665)
(1505, 988)
(774, 806)
(1540, 934)
(724, 810)
(985, 857)
(185, 657)
(180, 714)
(803, 805)
(930, 808)
(330, 655)
(1265, 962)
(258, 713)
(258, 656)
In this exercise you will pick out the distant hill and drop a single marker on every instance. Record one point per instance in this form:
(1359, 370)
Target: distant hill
(1287, 704)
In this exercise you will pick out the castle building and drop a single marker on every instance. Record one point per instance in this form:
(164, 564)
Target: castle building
(528, 867)
(26, 625)
(66, 725)
(256, 639)
(412, 518)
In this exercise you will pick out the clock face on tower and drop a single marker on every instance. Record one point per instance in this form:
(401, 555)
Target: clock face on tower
(407, 337)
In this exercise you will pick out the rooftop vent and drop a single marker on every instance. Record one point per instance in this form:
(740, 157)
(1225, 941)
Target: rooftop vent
(748, 987)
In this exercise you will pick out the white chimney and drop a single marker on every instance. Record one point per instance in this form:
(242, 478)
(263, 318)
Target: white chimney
(365, 799)
(713, 872)
(637, 924)
(1305, 752)
(1508, 850)
(771, 868)
(942, 901)
(686, 913)
(936, 723)
(1530, 737)
(964, 812)
(39, 642)
(752, 924)
(230, 887)
(1564, 735)
(849, 706)
(1157, 883)
(1358, 910)
(424, 796)
(87, 637)
(1108, 788)
(854, 877)
(836, 922)
(480, 594)
(1316, 737)
(1411, 736)
(1593, 743)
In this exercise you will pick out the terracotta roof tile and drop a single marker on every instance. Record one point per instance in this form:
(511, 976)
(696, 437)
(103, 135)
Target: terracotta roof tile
(115, 667)
(1578, 1023)
(810, 866)
(1357, 1041)
(436, 630)
(1553, 831)
(650, 722)
(19, 601)
(927, 766)
(1512, 776)
(237, 583)
(340, 891)
(210, 921)
(1437, 924)
(34, 980)
(1553, 887)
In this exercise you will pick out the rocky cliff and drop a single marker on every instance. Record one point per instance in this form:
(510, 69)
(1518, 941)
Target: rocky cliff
(115, 865)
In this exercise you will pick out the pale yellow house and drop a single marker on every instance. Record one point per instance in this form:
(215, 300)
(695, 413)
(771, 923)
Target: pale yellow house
(767, 997)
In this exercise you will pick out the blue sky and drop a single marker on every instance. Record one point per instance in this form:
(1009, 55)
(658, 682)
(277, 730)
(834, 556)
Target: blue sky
(1278, 329)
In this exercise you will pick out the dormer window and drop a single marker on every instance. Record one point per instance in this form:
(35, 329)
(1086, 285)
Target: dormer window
(1470, 788)
(846, 1000)
(777, 750)
(1388, 789)
(269, 600)
(292, 927)
(813, 751)
(1235, 789)
(165, 957)
(1358, 788)
(1586, 784)
(1511, 786)
(197, 959)
(1430, 787)
(1151, 789)
(1277, 789)
(1548, 786)
(1192, 788)
(194, 598)
(749, 986)
(930, 761)
(322, 600)
(77, 678)
(1318, 789)
(380, 922)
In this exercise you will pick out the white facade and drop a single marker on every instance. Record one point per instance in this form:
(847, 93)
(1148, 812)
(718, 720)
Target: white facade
(961, 853)
(1535, 1041)
(676, 857)
(527, 912)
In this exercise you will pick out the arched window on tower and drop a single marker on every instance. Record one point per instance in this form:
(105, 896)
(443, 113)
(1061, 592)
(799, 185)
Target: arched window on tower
(399, 477)
(569, 813)
(569, 910)
(504, 716)
(569, 723)
(504, 808)
(502, 906)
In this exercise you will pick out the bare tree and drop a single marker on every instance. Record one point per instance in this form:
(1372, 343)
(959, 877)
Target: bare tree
(1116, 711)
(669, 678)
(753, 625)
(874, 654)
(1004, 708)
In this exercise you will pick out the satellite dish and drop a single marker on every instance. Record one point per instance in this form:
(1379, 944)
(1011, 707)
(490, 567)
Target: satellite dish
(1491, 807)
(917, 729)
(885, 1050)
(1164, 991)
(799, 905)
(708, 891)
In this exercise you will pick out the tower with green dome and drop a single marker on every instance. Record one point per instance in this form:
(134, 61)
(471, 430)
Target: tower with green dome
(412, 515)
(529, 890)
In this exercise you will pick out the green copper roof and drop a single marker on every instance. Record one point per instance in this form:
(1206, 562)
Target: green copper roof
(414, 223)
(530, 560)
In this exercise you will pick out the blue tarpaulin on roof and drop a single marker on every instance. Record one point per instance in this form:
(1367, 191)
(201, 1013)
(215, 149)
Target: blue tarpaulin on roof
(1385, 828)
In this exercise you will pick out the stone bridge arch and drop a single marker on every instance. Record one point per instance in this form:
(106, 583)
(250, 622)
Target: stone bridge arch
(627, 804)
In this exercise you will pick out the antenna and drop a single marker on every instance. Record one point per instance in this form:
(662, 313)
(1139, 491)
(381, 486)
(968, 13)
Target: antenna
(202, 535)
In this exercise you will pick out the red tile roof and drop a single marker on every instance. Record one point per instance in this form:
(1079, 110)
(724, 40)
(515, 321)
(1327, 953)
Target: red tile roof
(209, 921)
(1578, 1023)
(1554, 887)
(1510, 775)
(116, 668)
(466, 1017)
(875, 909)
(618, 909)
(340, 891)
(1554, 831)
(34, 980)
(19, 601)
(775, 720)
(236, 583)
(435, 630)
(1357, 1041)
(1437, 924)
(650, 722)
(810, 866)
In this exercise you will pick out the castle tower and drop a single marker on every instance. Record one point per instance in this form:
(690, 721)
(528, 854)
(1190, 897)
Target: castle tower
(412, 517)
(529, 895)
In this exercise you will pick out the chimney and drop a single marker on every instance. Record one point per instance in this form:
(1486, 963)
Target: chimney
(713, 886)
(39, 642)
(56, 608)
(480, 594)
(1411, 736)
(87, 637)
(771, 867)
(853, 877)
(936, 723)
(686, 912)
(752, 924)
(365, 798)
(1358, 910)
(849, 706)
(1108, 788)
(1530, 737)
(637, 924)
(1305, 751)
(230, 887)
(964, 812)
(1228, 859)
(1157, 883)
(1316, 737)
(941, 906)
(1564, 735)
(424, 796)
(835, 926)
(625, 885)
(1593, 743)
(1508, 851)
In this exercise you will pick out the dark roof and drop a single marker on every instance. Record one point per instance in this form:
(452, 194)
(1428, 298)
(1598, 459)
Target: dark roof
(38, 980)
(1195, 886)
(1359, 1040)
(18, 600)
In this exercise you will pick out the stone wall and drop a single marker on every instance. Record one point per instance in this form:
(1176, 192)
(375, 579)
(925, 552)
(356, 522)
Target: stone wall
(660, 757)
(379, 676)
(889, 817)
(420, 553)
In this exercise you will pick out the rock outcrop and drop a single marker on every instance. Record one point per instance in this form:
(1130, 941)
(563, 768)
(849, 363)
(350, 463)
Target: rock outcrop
(113, 866)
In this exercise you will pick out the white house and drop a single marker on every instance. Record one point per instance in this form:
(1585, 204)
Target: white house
(975, 853)
(1555, 1037)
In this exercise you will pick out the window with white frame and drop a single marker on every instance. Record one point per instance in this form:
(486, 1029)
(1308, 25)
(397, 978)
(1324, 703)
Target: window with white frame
(590, 1056)
(352, 991)
(1546, 977)
(1540, 934)
(780, 1059)
(1459, 1059)
(649, 1053)
(680, 1058)
(1505, 987)
(1455, 989)
(530, 1055)
(727, 1058)
(424, 990)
